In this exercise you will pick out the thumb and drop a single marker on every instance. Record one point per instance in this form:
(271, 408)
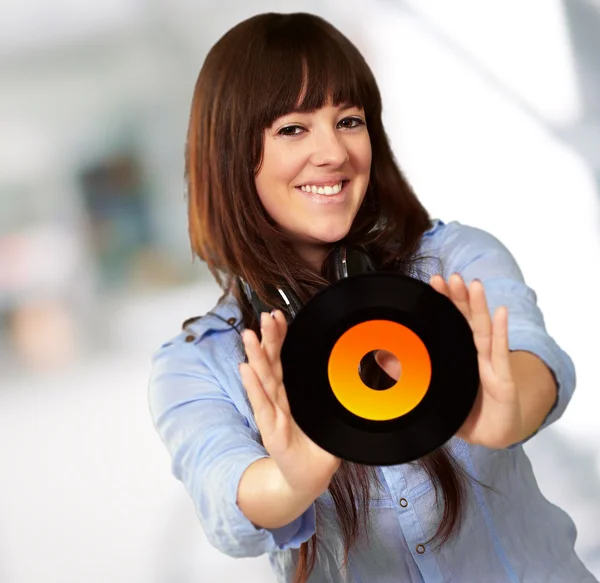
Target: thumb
(389, 363)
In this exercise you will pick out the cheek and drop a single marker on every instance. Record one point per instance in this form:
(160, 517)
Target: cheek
(279, 169)
(362, 156)
(271, 185)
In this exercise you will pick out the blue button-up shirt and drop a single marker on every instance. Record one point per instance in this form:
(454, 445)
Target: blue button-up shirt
(512, 535)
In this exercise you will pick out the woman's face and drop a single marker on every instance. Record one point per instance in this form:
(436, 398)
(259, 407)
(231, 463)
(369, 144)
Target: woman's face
(314, 175)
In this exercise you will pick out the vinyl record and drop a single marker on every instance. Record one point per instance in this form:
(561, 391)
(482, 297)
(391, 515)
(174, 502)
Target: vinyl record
(439, 373)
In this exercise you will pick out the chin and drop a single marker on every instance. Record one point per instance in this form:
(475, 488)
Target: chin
(330, 236)
(332, 230)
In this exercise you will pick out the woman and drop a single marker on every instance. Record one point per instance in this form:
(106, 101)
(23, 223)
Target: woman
(287, 158)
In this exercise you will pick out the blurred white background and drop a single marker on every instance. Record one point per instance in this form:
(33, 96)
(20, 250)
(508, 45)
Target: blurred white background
(493, 111)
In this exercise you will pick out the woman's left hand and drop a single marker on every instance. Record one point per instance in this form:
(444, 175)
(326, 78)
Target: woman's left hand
(495, 421)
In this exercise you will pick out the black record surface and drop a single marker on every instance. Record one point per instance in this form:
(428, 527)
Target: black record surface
(412, 303)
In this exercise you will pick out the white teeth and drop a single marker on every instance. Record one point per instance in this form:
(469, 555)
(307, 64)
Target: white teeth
(323, 189)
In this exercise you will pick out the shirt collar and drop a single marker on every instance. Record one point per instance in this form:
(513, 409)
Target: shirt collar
(226, 315)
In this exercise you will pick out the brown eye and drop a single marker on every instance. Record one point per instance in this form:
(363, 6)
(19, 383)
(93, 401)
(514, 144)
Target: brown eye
(289, 131)
(351, 122)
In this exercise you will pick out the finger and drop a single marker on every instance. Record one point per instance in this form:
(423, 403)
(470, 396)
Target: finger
(460, 295)
(262, 407)
(438, 283)
(389, 363)
(257, 359)
(500, 353)
(282, 327)
(273, 329)
(269, 335)
(481, 322)
(273, 332)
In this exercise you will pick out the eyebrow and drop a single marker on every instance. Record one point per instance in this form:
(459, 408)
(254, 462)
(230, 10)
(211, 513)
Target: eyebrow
(341, 106)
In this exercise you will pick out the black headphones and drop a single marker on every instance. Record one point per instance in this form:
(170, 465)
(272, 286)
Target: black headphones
(347, 261)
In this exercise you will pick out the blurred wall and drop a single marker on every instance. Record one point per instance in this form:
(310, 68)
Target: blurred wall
(492, 111)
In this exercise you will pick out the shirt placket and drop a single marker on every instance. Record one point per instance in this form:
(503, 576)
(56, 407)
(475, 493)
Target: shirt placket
(410, 523)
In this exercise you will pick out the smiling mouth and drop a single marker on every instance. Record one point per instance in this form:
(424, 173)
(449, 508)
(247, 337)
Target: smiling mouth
(327, 190)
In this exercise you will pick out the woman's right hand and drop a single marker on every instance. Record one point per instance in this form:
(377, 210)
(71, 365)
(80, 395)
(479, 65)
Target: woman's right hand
(305, 467)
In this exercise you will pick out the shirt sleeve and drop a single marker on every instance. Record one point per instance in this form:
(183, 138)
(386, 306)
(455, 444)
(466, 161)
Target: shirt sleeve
(476, 254)
(211, 444)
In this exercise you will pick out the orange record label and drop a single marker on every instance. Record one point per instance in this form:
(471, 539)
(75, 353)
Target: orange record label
(354, 394)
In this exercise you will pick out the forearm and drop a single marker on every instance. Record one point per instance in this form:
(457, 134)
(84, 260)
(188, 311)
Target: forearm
(536, 388)
(265, 498)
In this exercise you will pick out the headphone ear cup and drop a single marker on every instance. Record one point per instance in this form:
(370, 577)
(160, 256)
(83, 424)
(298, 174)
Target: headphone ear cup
(295, 305)
(291, 301)
(358, 261)
(339, 253)
(349, 261)
(258, 306)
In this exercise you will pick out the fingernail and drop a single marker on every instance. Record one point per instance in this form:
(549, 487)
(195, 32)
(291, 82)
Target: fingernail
(273, 313)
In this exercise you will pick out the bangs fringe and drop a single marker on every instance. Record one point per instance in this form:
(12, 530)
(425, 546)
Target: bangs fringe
(304, 64)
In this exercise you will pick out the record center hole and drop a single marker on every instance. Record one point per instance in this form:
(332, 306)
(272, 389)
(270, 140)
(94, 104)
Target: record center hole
(373, 375)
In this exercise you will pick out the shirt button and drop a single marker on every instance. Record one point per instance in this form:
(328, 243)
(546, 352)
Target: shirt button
(231, 321)
(190, 338)
(420, 549)
(403, 502)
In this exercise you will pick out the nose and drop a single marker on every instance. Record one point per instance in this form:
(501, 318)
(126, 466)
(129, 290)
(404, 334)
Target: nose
(329, 149)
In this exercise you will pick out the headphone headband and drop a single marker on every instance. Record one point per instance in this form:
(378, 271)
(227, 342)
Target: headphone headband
(347, 261)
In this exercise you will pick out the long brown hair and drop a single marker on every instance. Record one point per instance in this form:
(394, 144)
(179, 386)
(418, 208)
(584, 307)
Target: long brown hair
(254, 74)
